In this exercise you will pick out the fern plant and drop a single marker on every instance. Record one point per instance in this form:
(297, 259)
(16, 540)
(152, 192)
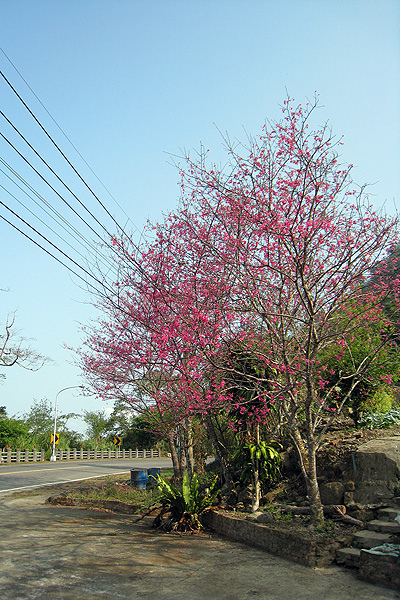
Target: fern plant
(184, 504)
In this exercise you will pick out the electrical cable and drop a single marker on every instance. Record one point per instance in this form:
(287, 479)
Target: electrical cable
(52, 171)
(121, 229)
(51, 244)
(63, 183)
(62, 222)
(48, 252)
(44, 223)
(63, 155)
(54, 190)
(67, 138)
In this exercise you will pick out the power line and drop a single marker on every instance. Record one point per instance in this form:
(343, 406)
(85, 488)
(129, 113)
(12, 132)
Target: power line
(55, 191)
(102, 284)
(67, 138)
(51, 170)
(46, 224)
(136, 264)
(60, 220)
(63, 155)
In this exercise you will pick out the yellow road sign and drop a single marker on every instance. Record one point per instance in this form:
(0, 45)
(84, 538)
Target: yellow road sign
(57, 438)
(117, 441)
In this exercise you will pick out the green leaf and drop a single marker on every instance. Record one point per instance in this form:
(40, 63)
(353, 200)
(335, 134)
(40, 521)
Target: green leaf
(186, 488)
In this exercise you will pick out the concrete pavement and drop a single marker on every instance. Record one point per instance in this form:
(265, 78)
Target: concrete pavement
(50, 553)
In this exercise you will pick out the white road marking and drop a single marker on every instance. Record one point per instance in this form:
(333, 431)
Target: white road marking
(39, 485)
(19, 472)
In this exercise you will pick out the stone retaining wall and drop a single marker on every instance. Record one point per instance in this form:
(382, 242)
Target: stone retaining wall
(381, 569)
(281, 543)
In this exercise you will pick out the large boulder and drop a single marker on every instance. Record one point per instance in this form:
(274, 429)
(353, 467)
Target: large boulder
(376, 470)
(332, 492)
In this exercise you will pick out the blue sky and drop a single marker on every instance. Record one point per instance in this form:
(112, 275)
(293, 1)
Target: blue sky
(131, 82)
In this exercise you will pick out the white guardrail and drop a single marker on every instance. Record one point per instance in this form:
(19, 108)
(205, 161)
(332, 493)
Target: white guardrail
(23, 456)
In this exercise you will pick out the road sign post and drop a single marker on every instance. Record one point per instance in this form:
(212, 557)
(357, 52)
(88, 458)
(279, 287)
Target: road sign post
(117, 444)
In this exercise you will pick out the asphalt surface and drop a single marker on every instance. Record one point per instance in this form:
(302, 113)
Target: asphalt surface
(31, 475)
(51, 553)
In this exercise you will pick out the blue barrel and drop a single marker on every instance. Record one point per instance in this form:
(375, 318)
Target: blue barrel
(153, 475)
(139, 478)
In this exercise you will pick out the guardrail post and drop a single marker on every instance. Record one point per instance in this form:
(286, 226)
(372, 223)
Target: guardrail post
(73, 453)
(18, 455)
(34, 455)
(8, 459)
(42, 456)
(26, 455)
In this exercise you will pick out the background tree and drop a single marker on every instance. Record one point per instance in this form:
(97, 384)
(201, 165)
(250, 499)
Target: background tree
(137, 430)
(14, 349)
(11, 430)
(40, 423)
(99, 427)
(377, 381)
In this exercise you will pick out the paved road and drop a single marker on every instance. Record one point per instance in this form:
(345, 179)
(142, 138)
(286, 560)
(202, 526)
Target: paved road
(26, 476)
(51, 553)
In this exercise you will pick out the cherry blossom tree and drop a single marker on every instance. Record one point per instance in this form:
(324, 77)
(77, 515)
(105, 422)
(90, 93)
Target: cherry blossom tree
(272, 255)
(300, 240)
(149, 347)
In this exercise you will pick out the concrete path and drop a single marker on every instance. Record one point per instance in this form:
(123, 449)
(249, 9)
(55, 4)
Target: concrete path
(49, 553)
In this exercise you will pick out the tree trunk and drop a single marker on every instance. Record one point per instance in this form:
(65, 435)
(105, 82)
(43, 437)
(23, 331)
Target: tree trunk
(316, 508)
(256, 491)
(256, 475)
(308, 464)
(189, 447)
(182, 456)
(219, 449)
(174, 456)
(199, 459)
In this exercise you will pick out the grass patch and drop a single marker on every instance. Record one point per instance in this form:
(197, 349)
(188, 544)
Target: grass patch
(117, 488)
(121, 491)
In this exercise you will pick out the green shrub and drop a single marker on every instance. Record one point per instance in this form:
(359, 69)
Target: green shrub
(378, 420)
(381, 402)
(269, 460)
(185, 504)
(11, 431)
